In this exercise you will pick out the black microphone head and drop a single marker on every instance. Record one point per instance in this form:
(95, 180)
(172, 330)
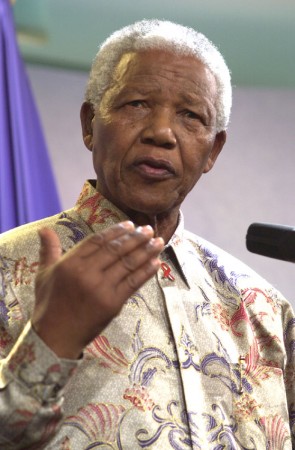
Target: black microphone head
(274, 241)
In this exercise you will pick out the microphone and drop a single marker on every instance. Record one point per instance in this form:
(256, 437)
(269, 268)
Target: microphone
(274, 241)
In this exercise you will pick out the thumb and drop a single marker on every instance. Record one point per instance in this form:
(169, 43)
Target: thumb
(50, 250)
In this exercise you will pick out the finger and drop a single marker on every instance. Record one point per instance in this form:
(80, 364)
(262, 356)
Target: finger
(50, 250)
(107, 253)
(96, 241)
(134, 260)
(134, 280)
(129, 242)
(117, 230)
(117, 249)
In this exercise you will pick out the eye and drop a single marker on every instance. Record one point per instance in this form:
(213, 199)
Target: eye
(191, 114)
(136, 103)
(194, 118)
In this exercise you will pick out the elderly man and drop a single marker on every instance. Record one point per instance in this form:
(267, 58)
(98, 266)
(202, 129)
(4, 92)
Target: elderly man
(129, 332)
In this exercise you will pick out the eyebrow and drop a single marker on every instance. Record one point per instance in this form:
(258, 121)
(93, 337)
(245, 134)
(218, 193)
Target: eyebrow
(191, 99)
(142, 90)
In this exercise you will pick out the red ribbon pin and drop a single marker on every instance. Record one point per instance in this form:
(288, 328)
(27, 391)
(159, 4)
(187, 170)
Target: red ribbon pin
(167, 272)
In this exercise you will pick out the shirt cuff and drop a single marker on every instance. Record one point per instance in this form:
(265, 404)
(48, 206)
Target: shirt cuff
(35, 366)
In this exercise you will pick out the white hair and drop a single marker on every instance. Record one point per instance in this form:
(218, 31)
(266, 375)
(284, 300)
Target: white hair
(161, 35)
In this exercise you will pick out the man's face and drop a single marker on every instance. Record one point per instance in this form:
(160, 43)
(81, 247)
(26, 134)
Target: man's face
(154, 133)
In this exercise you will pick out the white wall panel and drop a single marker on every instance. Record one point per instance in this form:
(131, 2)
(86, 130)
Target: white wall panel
(253, 180)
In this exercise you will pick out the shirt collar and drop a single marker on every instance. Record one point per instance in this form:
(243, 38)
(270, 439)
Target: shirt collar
(99, 213)
(95, 210)
(180, 245)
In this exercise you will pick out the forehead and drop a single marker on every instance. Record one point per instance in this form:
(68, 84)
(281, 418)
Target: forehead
(158, 68)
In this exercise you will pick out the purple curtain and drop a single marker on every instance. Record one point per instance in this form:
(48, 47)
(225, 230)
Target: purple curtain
(27, 188)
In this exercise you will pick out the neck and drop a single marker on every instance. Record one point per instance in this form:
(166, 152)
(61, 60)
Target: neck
(164, 224)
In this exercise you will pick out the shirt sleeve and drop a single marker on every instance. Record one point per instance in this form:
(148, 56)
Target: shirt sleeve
(32, 381)
(289, 335)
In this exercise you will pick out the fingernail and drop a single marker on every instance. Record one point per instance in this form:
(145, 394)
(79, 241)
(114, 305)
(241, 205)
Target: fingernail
(155, 242)
(144, 230)
(128, 225)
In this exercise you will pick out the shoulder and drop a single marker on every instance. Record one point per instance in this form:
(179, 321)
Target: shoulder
(209, 251)
(231, 274)
(24, 240)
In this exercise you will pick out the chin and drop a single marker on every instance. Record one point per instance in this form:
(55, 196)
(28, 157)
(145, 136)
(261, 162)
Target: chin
(146, 201)
(152, 208)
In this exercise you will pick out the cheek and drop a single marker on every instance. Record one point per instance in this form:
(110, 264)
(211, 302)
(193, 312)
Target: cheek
(113, 136)
(101, 135)
(109, 151)
(194, 161)
(104, 145)
(101, 154)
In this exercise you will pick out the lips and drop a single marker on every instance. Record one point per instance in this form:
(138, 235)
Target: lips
(153, 167)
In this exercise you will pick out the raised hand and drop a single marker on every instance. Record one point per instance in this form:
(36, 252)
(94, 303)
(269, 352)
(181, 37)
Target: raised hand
(79, 293)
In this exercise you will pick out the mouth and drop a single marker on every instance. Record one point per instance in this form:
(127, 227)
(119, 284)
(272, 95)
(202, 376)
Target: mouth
(153, 168)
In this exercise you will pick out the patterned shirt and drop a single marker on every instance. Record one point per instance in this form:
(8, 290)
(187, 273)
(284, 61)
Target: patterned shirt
(201, 357)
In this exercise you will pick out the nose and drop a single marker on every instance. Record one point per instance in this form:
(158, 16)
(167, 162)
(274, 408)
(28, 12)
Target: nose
(159, 130)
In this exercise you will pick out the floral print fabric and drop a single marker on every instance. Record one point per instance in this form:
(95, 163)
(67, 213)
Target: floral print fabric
(201, 357)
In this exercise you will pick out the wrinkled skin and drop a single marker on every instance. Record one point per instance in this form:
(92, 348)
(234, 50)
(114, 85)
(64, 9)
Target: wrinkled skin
(152, 137)
(79, 293)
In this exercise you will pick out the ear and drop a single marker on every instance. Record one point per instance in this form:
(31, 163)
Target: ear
(86, 116)
(219, 142)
